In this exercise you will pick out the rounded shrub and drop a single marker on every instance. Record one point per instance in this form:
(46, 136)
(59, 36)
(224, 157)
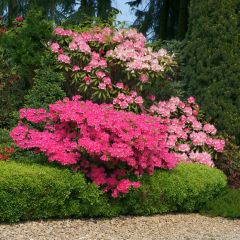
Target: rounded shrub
(47, 88)
(184, 189)
(40, 192)
(34, 191)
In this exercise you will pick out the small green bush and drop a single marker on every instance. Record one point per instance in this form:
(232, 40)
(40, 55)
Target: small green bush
(226, 205)
(47, 89)
(32, 191)
(185, 189)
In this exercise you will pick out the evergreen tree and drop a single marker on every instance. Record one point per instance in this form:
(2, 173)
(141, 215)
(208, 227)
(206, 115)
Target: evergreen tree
(165, 19)
(212, 61)
(104, 8)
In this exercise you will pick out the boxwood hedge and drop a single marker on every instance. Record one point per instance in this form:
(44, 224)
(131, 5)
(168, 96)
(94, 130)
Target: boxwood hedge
(34, 191)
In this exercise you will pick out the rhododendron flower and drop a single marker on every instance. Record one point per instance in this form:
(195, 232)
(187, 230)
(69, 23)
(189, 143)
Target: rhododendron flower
(144, 78)
(187, 111)
(87, 68)
(87, 79)
(209, 128)
(183, 148)
(58, 31)
(64, 58)
(123, 104)
(204, 158)
(198, 138)
(151, 97)
(19, 19)
(3, 29)
(191, 100)
(75, 68)
(100, 74)
(102, 86)
(139, 100)
(55, 47)
(73, 46)
(119, 85)
(107, 80)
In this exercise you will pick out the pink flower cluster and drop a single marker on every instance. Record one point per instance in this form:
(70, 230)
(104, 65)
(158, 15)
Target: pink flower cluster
(191, 139)
(105, 144)
(132, 51)
(124, 101)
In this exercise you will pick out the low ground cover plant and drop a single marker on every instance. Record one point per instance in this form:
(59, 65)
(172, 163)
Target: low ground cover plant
(225, 205)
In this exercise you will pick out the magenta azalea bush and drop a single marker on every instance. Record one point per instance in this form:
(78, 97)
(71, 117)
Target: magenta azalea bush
(107, 145)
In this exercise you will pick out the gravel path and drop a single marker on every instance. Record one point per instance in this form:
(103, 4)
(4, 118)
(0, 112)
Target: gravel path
(179, 226)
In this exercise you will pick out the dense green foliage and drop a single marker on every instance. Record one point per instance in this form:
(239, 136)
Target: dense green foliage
(175, 85)
(4, 136)
(226, 205)
(22, 51)
(47, 88)
(212, 61)
(11, 90)
(24, 46)
(229, 163)
(68, 10)
(35, 191)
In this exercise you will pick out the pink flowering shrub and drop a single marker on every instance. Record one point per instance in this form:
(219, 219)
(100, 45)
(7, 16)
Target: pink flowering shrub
(107, 145)
(189, 137)
(109, 65)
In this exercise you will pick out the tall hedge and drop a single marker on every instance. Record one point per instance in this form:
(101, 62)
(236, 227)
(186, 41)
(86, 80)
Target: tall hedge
(212, 56)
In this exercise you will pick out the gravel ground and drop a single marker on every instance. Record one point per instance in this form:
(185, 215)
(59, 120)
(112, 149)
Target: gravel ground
(179, 226)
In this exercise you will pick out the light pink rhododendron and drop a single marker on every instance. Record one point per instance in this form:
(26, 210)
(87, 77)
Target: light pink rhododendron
(189, 138)
(95, 59)
(105, 144)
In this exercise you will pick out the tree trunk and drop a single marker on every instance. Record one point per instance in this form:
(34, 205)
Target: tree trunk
(182, 18)
(164, 12)
(12, 10)
(103, 8)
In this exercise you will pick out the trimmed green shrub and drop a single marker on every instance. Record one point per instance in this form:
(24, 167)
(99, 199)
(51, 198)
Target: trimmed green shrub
(38, 192)
(226, 205)
(212, 70)
(185, 189)
(47, 88)
(32, 191)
